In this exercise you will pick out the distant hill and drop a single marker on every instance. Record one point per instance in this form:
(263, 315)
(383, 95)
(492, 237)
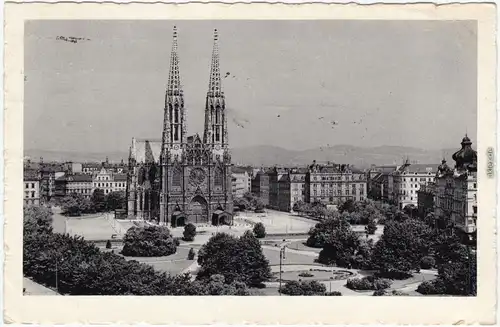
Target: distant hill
(266, 155)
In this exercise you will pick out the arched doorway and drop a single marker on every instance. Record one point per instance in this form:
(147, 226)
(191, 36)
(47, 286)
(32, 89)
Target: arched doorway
(198, 210)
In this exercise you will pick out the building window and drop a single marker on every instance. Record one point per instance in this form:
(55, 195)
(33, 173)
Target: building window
(475, 185)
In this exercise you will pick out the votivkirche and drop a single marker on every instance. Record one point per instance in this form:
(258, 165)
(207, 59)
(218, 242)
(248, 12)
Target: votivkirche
(181, 178)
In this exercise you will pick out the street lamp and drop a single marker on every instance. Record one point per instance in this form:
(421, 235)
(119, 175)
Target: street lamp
(282, 257)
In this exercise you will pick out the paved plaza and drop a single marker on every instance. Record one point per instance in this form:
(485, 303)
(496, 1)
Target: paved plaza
(277, 222)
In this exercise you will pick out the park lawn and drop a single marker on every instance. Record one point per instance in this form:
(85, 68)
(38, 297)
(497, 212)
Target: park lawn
(301, 246)
(172, 267)
(290, 258)
(180, 254)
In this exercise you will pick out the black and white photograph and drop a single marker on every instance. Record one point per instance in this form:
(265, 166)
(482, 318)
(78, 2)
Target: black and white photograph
(240, 157)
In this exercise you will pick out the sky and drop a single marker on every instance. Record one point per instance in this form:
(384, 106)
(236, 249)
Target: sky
(292, 84)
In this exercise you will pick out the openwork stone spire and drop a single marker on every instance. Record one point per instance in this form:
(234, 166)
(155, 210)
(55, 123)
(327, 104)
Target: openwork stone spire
(174, 114)
(174, 80)
(215, 85)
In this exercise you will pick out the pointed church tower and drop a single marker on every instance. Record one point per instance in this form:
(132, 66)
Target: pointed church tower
(215, 133)
(174, 119)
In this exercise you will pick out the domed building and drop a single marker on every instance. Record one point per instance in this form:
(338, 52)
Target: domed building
(456, 189)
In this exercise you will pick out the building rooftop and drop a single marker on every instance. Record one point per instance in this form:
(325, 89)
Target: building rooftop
(30, 175)
(120, 177)
(418, 168)
(75, 178)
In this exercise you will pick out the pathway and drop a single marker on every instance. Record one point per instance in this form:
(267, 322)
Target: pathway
(32, 288)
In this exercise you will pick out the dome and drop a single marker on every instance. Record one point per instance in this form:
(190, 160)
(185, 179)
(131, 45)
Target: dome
(465, 157)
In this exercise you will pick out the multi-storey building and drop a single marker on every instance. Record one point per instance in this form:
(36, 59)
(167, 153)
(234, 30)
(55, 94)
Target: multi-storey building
(298, 185)
(425, 198)
(279, 189)
(31, 181)
(241, 182)
(333, 184)
(103, 179)
(86, 184)
(260, 186)
(380, 182)
(91, 168)
(456, 189)
(74, 184)
(407, 180)
(184, 178)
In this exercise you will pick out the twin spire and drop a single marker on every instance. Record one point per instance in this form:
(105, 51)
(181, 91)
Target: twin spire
(174, 86)
(174, 80)
(215, 85)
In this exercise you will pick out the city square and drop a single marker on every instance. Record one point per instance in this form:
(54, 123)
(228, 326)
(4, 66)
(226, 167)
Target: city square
(200, 198)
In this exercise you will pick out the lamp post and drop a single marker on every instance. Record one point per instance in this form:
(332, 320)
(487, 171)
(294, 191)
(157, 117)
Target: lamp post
(282, 257)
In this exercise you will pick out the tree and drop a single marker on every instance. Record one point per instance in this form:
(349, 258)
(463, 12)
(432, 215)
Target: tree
(258, 205)
(299, 206)
(241, 203)
(189, 232)
(108, 244)
(411, 210)
(191, 254)
(84, 270)
(347, 206)
(115, 200)
(98, 200)
(340, 245)
(457, 268)
(149, 241)
(401, 247)
(371, 228)
(75, 204)
(259, 230)
(237, 259)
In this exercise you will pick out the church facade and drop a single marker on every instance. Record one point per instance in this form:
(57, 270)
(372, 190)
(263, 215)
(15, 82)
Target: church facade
(182, 179)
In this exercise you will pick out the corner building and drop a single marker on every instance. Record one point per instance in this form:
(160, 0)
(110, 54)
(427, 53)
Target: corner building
(184, 179)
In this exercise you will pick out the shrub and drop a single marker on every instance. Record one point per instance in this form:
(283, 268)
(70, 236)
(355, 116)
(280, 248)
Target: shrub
(334, 293)
(368, 283)
(149, 241)
(259, 230)
(189, 232)
(303, 288)
(305, 274)
(177, 241)
(427, 262)
(191, 254)
(108, 244)
(384, 292)
(431, 287)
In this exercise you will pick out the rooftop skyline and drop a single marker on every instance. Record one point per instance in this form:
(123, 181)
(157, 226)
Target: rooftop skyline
(363, 83)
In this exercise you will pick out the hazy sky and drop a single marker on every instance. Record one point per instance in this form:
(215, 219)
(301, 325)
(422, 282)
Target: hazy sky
(383, 82)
